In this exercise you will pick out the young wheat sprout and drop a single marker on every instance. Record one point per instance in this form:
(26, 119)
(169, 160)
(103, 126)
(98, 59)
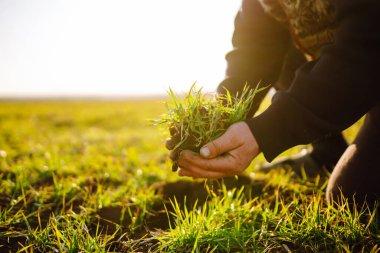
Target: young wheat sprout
(198, 118)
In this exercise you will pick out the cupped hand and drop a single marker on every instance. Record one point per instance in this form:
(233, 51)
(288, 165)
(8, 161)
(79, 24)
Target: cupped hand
(227, 155)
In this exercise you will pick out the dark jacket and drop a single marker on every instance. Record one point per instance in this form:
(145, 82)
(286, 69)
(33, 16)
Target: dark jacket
(327, 94)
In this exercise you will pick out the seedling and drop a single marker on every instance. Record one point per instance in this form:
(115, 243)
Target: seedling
(199, 118)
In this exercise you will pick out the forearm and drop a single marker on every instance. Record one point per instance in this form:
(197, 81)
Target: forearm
(332, 92)
(259, 47)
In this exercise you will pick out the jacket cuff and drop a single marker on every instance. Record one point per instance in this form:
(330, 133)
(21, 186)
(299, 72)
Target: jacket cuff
(285, 124)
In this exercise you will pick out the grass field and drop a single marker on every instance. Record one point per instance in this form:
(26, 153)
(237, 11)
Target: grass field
(93, 177)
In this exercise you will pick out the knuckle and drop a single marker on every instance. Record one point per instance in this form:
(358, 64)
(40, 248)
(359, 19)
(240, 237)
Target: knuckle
(185, 155)
(235, 127)
(186, 158)
(168, 143)
(173, 155)
(181, 163)
(235, 139)
(181, 155)
(171, 142)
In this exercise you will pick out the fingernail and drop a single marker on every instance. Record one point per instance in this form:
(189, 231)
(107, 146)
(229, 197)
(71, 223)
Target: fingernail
(205, 151)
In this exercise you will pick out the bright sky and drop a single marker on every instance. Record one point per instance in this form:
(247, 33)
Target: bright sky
(112, 47)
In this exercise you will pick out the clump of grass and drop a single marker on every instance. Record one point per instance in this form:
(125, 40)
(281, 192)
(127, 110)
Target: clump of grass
(199, 118)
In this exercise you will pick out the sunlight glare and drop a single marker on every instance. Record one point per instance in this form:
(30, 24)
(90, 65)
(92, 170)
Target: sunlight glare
(119, 47)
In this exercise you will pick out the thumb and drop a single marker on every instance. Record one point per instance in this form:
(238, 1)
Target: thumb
(228, 141)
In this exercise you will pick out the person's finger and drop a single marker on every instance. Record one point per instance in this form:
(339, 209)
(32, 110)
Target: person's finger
(172, 142)
(195, 172)
(174, 154)
(228, 163)
(223, 144)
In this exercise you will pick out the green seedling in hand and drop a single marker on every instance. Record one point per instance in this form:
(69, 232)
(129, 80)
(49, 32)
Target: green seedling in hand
(199, 118)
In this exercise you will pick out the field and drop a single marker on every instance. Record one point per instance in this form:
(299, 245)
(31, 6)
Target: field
(82, 176)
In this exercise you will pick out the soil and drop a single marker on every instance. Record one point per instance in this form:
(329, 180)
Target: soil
(192, 191)
(108, 218)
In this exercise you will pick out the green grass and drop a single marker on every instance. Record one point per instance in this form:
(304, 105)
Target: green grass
(93, 177)
(199, 118)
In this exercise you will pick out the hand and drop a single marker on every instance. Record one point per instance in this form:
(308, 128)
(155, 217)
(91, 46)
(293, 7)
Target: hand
(228, 155)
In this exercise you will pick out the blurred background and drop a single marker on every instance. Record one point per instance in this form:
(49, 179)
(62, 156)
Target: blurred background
(118, 48)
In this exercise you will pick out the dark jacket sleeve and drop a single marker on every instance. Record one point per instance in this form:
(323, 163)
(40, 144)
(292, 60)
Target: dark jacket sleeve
(332, 92)
(259, 46)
